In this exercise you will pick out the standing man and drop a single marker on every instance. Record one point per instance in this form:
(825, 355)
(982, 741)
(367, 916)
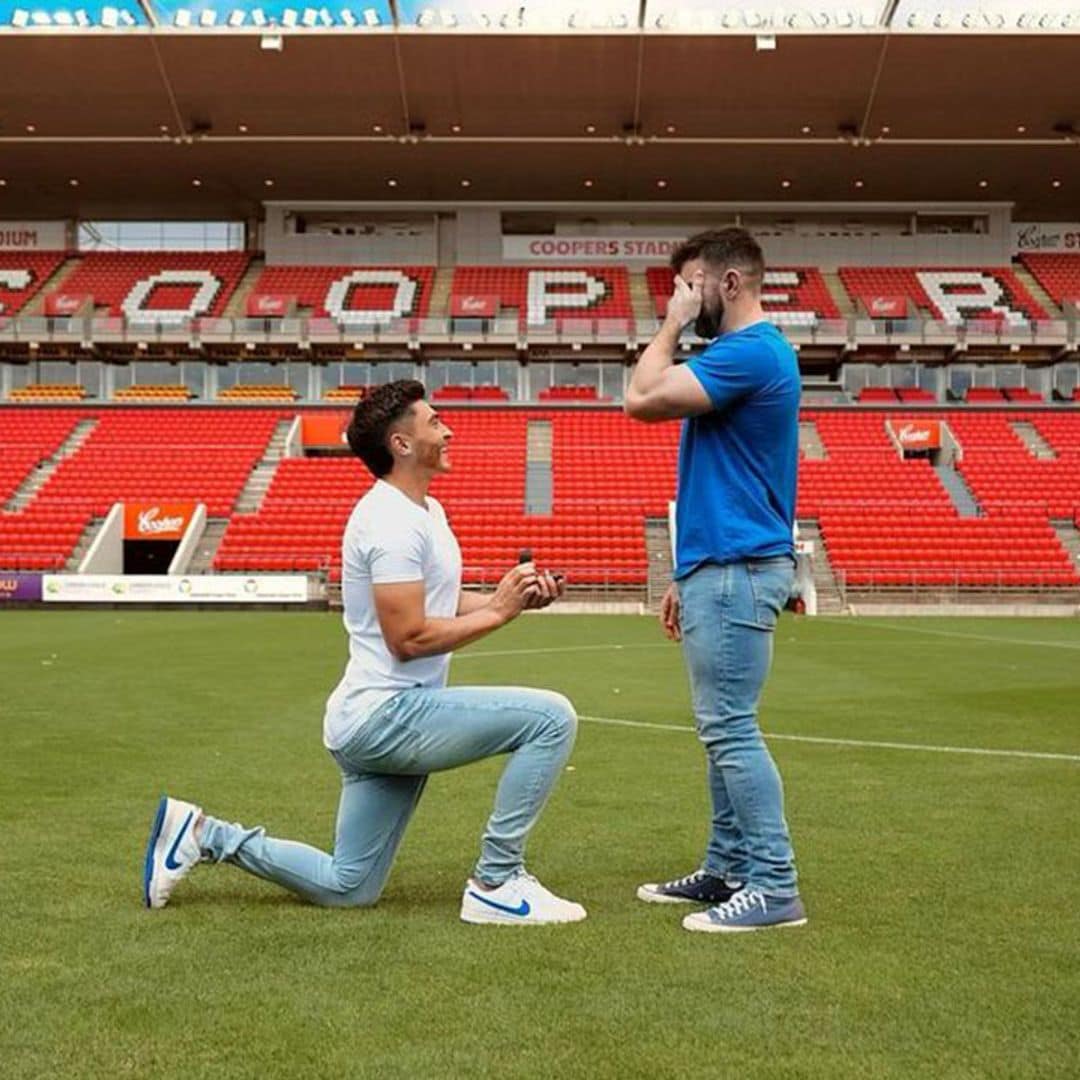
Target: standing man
(734, 563)
(392, 720)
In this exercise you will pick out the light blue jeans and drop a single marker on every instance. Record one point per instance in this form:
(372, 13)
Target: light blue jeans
(729, 614)
(385, 766)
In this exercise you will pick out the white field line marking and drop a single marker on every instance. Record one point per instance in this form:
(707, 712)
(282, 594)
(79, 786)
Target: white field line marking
(560, 649)
(865, 743)
(1072, 645)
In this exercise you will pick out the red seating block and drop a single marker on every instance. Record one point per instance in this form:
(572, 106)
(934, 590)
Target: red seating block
(352, 295)
(164, 286)
(22, 274)
(951, 294)
(550, 294)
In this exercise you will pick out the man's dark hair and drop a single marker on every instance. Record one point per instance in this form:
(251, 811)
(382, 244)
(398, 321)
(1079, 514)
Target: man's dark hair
(373, 417)
(721, 248)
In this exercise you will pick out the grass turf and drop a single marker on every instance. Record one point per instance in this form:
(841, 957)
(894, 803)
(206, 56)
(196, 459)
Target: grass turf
(943, 939)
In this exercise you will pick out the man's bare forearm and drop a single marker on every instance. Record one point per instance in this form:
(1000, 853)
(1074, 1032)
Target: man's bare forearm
(470, 601)
(658, 356)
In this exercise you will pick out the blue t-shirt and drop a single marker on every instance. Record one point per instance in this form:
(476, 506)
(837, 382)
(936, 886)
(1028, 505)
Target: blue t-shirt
(738, 464)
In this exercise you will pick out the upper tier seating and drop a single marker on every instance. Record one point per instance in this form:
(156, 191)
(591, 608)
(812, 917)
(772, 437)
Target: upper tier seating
(48, 392)
(352, 295)
(1059, 275)
(484, 392)
(346, 395)
(951, 294)
(22, 275)
(256, 392)
(791, 296)
(153, 392)
(544, 295)
(569, 393)
(158, 286)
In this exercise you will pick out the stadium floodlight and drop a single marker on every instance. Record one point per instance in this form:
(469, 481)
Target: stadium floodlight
(182, 18)
(290, 17)
(41, 18)
(20, 18)
(127, 18)
(236, 17)
(348, 18)
(309, 17)
(765, 42)
(271, 42)
(258, 17)
(207, 17)
(81, 18)
(371, 17)
(64, 18)
(325, 17)
(110, 18)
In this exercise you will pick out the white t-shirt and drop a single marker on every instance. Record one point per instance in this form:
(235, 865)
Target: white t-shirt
(389, 540)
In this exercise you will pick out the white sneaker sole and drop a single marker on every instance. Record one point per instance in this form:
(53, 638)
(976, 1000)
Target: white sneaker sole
(477, 916)
(713, 928)
(650, 897)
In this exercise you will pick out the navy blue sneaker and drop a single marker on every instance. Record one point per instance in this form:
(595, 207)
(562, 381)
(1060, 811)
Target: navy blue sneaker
(748, 910)
(699, 887)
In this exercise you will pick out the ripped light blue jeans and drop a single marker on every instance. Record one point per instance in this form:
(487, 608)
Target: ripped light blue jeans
(384, 768)
(728, 616)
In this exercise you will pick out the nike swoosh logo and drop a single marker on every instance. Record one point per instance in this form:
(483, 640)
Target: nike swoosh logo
(522, 909)
(170, 862)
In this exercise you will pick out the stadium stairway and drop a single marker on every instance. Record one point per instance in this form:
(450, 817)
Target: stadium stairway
(1036, 444)
(661, 567)
(830, 600)
(84, 543)
(1028, 280)
(26, 491)
(641, 299)
(236, 308)
(810, 444)
(539, 482)
(53, 283)
(203, 558)
(262, 475)
(841, 297)
(441, 287)
(1069, 535)
(960, 494)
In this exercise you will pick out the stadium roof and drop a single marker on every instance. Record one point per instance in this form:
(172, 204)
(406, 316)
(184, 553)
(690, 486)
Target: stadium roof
(137, 118)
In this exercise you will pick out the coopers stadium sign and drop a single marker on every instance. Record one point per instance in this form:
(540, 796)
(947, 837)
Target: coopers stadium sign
(32, 236)
(1037, 236)
(654, 249)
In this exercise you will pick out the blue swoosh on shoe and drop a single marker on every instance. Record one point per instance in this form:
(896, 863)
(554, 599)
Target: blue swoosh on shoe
(522, 909)
(170, 863)
(148, 864)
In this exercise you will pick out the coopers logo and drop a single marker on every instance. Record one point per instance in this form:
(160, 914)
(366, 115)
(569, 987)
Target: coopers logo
(917, 434)
(151, 524)
(156, 520)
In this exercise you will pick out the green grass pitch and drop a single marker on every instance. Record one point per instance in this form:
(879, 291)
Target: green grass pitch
(942, 888)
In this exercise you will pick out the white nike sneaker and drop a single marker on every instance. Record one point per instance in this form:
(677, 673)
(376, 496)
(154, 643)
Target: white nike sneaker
(172, 851)
(519, 901)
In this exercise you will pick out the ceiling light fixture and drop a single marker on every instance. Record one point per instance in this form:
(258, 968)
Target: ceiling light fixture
(466, 183)
(806, 129)
(1055, 183)
(73, 182)
(785, 183)
(859, 183)
(589, 183)
(268, 183)
(391, 182)
(590, 129)
(196, 182)
(984, 183)
(661, 183)
(242, 128)
(455, 128)
(30, 129)
(671, 129)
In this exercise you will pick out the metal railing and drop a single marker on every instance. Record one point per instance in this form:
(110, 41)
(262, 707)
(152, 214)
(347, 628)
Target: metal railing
(308, 331)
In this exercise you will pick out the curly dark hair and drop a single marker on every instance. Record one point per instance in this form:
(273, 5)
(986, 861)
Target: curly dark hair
(721, 248)
(373, 417)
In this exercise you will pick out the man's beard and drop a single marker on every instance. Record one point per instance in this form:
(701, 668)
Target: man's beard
(707, 324)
